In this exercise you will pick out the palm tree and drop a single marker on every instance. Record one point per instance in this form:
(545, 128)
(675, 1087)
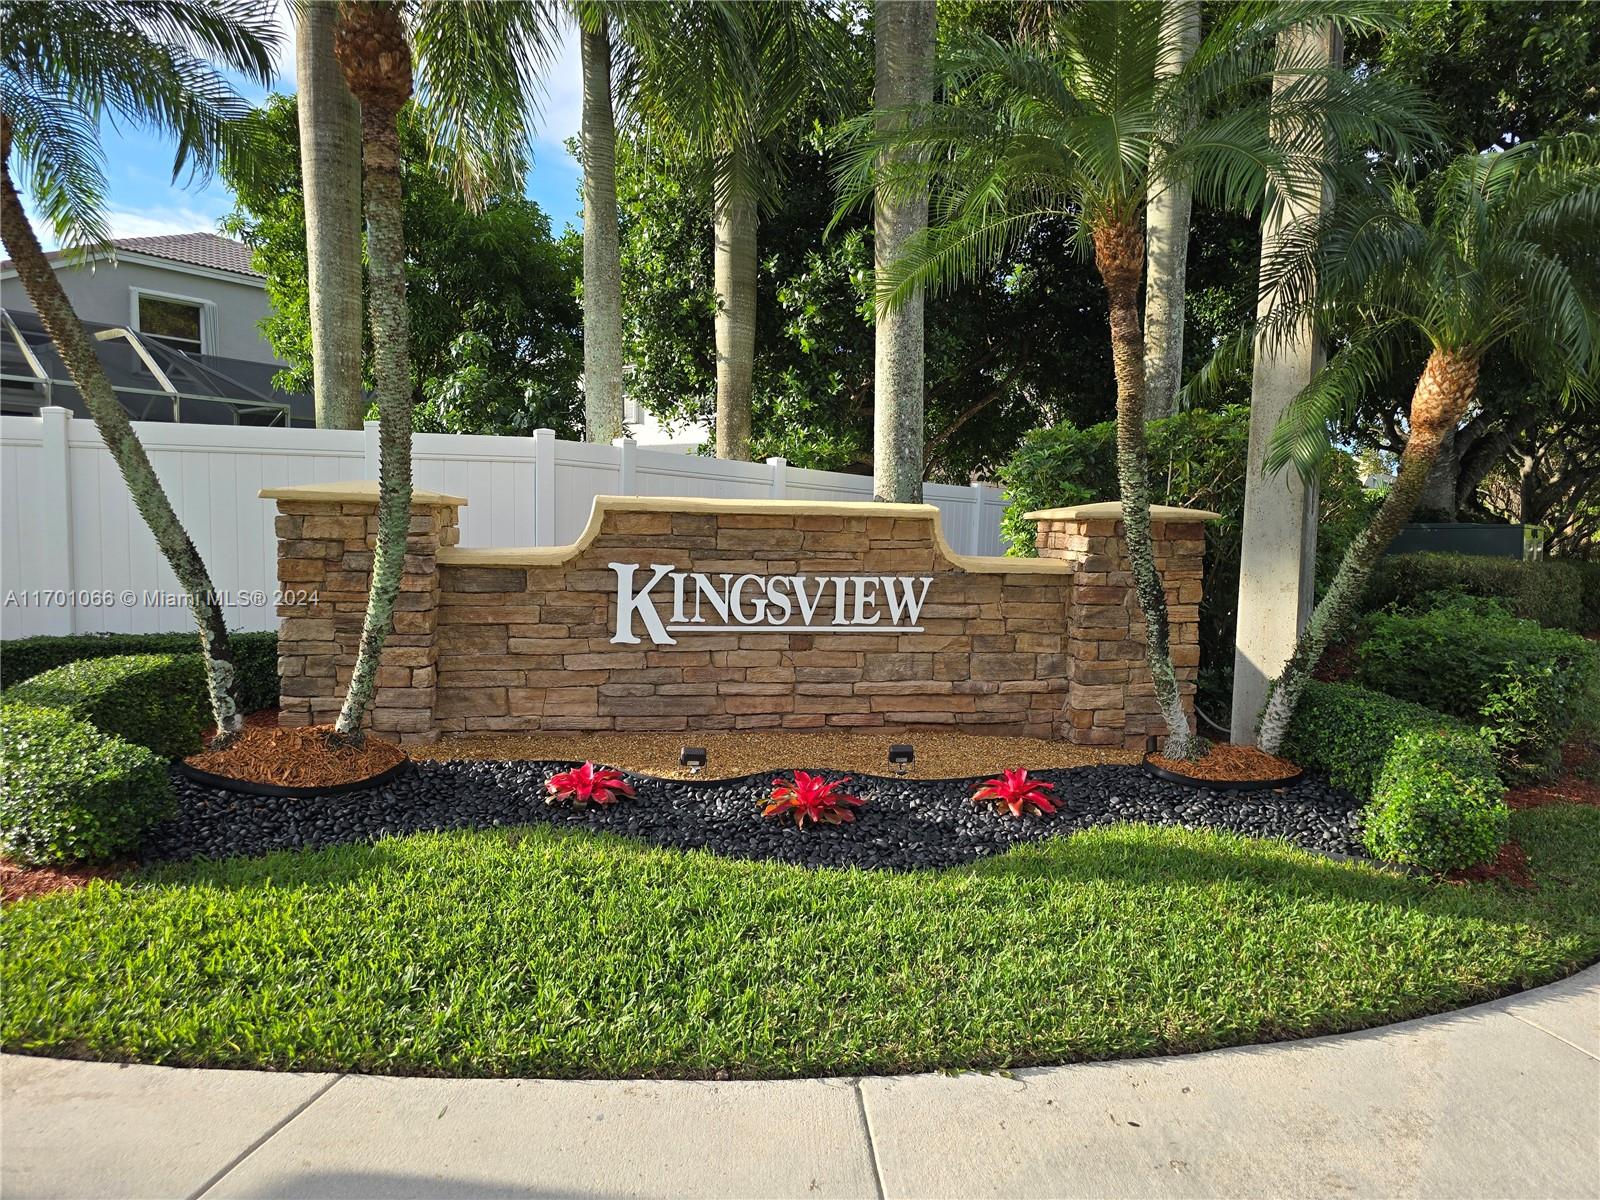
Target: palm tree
(717, 82)
(476, 74)
(63, 67)
(904, 35)
(602, 248)
(1065, 127)
(1167, 240)
(330, 156)
(1496, 252)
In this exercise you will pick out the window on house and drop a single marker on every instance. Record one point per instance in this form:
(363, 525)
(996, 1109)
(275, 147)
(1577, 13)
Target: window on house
(174, 322)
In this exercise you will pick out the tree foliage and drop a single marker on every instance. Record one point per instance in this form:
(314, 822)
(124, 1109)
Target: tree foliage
(495, 324)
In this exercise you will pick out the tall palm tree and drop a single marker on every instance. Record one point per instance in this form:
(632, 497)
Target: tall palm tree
(476, 76)
(1497, 253)
(904, 36)
(1065, 127)
(330, 157)
(602, 247)
(717, 82)
(63, 67)
(1166, 227)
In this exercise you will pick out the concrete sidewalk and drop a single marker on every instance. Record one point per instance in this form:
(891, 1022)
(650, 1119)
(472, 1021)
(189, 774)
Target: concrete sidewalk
(1498, 1100)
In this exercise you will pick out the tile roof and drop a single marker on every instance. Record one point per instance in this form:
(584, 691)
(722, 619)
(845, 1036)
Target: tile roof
(196, 249)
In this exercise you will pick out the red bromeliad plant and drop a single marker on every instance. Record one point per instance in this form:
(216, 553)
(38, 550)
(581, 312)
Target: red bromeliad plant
(1015, 791)
(587, 784)
(811, 797)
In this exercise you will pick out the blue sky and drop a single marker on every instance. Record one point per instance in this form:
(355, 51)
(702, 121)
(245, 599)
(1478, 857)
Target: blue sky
(143, 200)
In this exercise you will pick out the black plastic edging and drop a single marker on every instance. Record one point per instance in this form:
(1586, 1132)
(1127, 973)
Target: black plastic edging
(251, 788)
(1221, 785)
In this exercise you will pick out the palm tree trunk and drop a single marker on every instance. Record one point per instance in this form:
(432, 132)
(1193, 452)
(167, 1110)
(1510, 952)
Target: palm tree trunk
(602, 254)
(1119, 256)
(734, 241)
(1442, 394)
(1167, 235)
(904, 51)
(376, 58)
(76, 348)
(330, 160)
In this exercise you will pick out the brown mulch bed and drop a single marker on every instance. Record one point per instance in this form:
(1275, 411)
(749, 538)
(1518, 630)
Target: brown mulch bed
(304, 756)
(1570, 787)
(1224, 762)
(18, 882)
(1509, 867)
(262, 716)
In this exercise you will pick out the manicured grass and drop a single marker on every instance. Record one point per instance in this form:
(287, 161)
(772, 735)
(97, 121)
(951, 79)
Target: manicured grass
(537, 952)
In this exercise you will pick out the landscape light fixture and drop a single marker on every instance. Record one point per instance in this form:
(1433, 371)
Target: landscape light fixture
(693, 757)
(901, 756)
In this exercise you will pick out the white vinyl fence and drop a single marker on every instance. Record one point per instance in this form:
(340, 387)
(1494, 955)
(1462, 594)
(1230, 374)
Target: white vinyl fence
(75, 557)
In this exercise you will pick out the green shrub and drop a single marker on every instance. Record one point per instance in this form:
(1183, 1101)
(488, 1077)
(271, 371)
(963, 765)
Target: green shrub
(1551, 593)
(70, 793)
(1588, 595)
(1527, 685)
(1347, 732)
(255, 657)
(154, 700)
(1438, 803)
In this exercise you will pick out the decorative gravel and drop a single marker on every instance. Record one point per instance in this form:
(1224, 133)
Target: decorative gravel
(906, 824)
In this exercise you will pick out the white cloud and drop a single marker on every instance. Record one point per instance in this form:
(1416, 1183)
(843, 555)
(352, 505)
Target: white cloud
(153, 222)
(561, 114)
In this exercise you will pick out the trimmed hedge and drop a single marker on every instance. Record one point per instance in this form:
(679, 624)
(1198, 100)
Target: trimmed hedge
(1438, 803)
(255, 657)
(1434, 799)
(1551, 592)
(154, 700)
(1346, 732)
(1526, 684)
(70, 793)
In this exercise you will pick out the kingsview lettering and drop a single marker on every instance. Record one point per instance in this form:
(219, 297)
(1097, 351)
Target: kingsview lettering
(694, 602)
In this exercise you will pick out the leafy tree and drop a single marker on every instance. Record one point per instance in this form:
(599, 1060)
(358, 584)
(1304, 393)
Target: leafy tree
(63, 67)
(1066, 126)
(495, 324)
(1495, 254)
(717, 84)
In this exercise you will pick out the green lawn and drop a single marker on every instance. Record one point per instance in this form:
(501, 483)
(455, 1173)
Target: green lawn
(533, 952)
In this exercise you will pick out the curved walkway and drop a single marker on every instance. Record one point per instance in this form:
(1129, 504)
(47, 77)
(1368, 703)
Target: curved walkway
(1498, 1100)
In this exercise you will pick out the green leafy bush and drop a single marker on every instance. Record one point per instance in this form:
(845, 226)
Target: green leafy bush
(255, 657)
(154, 700)
(1588, 595)
(70, 793)
(1438, 803)
(1526, 684)
(1347, 732)
(1197, 460)
(1549, 592)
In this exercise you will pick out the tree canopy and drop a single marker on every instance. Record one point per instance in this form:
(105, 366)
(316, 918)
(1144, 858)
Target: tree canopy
(495, 323)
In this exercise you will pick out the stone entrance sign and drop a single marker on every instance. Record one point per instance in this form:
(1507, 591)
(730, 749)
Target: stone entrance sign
(680, 615)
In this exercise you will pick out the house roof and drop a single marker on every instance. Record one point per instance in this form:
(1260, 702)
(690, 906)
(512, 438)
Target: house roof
(196, 249)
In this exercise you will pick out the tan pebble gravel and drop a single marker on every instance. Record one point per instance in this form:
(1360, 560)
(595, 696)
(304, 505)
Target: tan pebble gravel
(938, 755)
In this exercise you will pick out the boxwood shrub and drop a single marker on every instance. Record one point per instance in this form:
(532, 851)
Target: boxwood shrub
(1551, 592)
(70, 793)
(255, 656)
(1438, 803)
(1526, 685)
(1346, 732)
(154, 700)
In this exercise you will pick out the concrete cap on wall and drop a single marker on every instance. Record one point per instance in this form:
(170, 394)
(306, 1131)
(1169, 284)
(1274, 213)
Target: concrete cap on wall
(354, 492)
(1111, 510)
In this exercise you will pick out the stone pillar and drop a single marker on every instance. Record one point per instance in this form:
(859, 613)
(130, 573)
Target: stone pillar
(1278, 561)
(326, 534)
(1110, 697)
